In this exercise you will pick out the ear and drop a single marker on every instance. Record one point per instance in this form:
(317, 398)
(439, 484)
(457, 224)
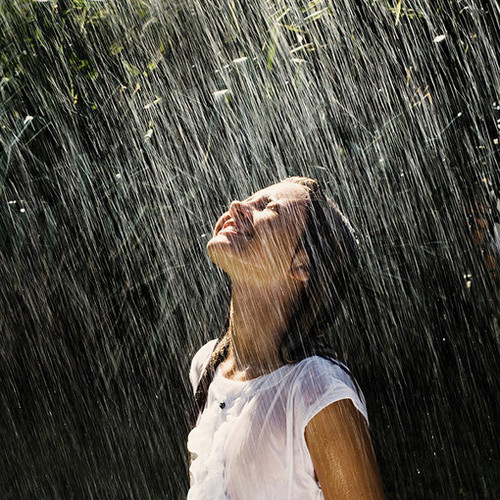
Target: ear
(299, 268)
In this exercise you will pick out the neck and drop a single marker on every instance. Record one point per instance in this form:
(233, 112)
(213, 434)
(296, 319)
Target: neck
(258, 321)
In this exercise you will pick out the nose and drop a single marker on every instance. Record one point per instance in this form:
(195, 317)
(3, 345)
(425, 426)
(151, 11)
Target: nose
(239, 209)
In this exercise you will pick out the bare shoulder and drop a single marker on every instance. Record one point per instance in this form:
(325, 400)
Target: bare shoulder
(342, 453)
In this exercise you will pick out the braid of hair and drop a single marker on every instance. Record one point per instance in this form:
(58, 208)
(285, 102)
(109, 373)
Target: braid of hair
(219, 354)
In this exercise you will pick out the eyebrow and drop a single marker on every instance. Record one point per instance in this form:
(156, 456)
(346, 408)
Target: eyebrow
(264, 197)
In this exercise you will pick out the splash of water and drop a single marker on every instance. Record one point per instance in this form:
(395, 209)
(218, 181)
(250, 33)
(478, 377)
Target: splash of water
(127, 127)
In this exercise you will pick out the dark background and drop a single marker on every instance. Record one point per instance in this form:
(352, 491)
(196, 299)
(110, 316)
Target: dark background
(127, 127)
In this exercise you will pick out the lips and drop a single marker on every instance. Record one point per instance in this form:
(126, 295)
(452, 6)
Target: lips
(230, 226)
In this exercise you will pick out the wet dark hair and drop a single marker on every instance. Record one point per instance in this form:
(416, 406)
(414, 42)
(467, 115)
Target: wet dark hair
(333, 251)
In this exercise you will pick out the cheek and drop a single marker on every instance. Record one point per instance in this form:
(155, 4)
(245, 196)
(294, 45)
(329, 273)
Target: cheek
(280, 245)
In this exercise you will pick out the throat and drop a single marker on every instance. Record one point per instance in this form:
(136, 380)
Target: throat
(258, 321)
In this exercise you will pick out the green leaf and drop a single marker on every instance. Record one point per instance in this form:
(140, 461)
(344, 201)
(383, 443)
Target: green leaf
(130, 68)
(397, 12)
(271, 53)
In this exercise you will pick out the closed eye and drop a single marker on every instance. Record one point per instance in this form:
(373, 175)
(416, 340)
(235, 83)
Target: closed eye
(264, 203)
(274, 206)
(261, 203)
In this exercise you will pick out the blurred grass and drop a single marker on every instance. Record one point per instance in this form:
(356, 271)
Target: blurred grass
(118, 154)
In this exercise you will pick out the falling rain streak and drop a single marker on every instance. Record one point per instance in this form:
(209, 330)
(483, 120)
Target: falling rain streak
(126, 129)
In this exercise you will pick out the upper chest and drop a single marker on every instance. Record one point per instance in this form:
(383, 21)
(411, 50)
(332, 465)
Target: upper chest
(247, 414)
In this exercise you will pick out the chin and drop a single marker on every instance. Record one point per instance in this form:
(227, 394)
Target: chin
(223, 254)
(212, 250)
(217, 253)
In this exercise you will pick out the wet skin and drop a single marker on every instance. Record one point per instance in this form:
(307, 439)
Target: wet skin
(256, 238)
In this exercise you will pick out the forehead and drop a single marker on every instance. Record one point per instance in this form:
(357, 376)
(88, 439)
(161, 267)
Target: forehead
(287, 193)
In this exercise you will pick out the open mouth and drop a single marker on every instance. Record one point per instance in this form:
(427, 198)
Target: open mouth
(231, 228)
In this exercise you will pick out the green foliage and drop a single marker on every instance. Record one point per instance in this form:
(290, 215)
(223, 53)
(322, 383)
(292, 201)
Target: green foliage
(126, 127)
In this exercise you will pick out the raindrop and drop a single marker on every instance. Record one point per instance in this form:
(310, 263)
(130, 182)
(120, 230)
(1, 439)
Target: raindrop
(439, 38)
(219, 95)
(148, 135)
(128, 260)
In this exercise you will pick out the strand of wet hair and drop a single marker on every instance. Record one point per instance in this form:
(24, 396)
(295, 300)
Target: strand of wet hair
(218, 355)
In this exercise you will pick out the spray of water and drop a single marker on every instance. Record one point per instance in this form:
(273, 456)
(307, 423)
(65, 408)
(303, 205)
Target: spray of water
(126, 129)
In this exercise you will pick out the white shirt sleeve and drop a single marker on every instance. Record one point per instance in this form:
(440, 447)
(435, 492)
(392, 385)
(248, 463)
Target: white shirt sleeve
(200, 360)
(319, 384)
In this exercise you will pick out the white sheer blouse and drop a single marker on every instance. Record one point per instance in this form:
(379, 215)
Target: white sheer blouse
(249, 441)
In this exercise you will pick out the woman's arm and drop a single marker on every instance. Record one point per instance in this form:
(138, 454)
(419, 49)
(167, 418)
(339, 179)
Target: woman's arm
(342, 453)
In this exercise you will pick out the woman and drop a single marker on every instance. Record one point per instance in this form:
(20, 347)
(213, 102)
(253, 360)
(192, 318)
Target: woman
(279, 418)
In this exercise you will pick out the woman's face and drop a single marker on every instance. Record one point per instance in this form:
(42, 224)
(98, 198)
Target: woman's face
(256, 238)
